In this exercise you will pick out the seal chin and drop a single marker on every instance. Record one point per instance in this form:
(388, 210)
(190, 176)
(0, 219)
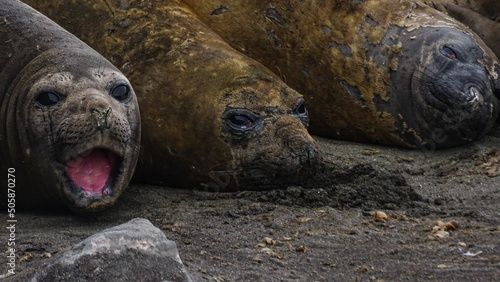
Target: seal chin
(280, 172)
(91, 177)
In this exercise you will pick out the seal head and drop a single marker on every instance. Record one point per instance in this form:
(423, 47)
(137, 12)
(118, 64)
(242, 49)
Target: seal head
(70, 125)
(82, 129)
(268, 141)
(443, 89)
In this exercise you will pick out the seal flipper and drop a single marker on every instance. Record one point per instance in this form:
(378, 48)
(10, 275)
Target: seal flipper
(91, 170)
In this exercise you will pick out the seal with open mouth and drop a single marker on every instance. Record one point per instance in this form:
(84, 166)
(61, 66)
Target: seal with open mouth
(70, 128)
(211, 117)
(391, 72)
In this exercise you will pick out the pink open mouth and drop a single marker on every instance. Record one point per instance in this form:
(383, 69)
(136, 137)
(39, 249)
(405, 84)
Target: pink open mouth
(91, 170)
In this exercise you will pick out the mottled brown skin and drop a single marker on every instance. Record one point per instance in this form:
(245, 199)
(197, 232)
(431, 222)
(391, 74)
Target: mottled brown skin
(362, 68)
(56, 105)
(191, 85)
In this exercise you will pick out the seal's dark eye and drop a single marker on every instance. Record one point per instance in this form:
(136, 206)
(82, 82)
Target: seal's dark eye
(47, 99)
(241, 121)
(300, 108)
(450, 52)
(121, 93)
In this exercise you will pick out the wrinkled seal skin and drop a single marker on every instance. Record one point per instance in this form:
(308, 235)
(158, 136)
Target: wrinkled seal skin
(55, 105)
(370, 71)
(211, 117)
(482, 16)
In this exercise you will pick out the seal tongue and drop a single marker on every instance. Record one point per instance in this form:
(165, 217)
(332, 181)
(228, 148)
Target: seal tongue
(91, 170)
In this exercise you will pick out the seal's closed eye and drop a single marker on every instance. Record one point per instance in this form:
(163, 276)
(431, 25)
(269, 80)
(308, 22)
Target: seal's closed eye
(47, 99)
(450, 52)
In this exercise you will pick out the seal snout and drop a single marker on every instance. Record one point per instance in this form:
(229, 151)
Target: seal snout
(301, 144)
(298, 141)
(313, 154)
(93, 148)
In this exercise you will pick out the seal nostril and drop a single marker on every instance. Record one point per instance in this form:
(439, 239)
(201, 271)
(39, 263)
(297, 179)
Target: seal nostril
(102, 118)
(310, 155)
(299, 109)
(473, 94)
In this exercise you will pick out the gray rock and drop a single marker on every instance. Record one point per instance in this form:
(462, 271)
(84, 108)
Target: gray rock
(134, 251)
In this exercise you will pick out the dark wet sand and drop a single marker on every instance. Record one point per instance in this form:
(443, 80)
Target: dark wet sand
(321, 231)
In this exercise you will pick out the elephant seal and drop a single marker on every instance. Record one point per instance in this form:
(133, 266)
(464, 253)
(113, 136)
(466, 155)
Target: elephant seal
(391, 72)
(211, 117)
(70, 130)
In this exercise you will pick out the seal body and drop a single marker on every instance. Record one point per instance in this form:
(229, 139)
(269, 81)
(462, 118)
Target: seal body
(211, 117)
(70, 124)
(391, 72)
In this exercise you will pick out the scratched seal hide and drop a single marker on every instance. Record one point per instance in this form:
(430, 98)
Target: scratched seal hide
(70, 124)
(211, 117)
(482, 16)
(391, 72)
